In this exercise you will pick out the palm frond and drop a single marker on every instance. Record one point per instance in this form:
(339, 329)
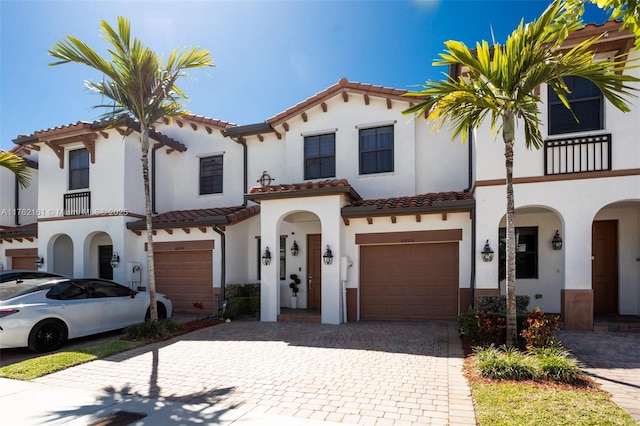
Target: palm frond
(17, 165)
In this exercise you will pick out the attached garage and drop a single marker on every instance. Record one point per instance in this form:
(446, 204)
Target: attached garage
(410, 280)
(23, 258)
(184, 273)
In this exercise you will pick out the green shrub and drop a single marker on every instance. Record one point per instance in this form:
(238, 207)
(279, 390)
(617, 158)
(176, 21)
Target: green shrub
(242, 306)
(555, 363)
(498, 304)
(232, 291)
(153, 330)
(539, 328)
(506, 364)
(485, 327)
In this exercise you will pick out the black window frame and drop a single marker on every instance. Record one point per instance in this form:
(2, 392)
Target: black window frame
(322, 156)
(377, 153)
(527, 264)
(78, 169)
(582, 94)
(212, 181)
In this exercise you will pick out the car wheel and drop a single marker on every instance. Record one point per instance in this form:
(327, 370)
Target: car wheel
(47, 335)
(162, 312)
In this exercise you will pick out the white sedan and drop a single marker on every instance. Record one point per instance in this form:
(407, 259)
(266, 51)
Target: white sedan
(43, 313)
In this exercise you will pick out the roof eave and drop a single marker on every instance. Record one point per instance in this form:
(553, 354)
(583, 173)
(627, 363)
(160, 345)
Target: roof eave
(436, 207)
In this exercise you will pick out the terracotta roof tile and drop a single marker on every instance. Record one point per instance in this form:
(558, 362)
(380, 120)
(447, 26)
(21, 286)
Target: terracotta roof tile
(341, 86)
(22, 231)
(198, 217)
(220, 124)
(293, 190)
(450, 200)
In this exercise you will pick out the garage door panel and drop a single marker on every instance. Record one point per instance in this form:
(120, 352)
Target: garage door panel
(24, 262)
(186, 277)
(409, 282)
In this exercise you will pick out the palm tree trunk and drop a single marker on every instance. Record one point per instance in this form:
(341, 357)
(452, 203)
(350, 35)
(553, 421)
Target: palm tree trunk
(147, 206)
(508, 134)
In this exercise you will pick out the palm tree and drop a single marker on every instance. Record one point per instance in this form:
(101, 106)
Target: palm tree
(499, 82)
(17, 165)
(141, 87)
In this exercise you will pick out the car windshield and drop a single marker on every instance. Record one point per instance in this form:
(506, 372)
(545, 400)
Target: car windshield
(10, 290)
(6, 276)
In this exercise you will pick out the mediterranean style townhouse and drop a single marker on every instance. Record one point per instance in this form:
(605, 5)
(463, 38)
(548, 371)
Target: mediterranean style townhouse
(380, 218)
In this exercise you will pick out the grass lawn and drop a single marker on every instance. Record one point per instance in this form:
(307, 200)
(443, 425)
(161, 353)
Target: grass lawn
(528, 402)
(47, 364)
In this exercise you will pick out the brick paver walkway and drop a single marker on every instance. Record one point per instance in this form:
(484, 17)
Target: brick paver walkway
(613, 360)
(366, 373)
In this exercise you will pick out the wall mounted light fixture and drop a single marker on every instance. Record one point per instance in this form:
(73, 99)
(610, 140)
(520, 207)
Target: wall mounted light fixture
(115, 260)
(487, 253)
(294, 248)
(39, 261)
(266, 257)
(556, 242)
(327, 257)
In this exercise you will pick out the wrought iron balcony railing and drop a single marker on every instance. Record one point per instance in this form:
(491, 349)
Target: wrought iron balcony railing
(577, 154)
(77, 204)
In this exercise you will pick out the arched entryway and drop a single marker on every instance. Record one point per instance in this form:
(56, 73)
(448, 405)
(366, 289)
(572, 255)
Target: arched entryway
(303, 228)
(615, 274)
(61, 255)
(97, 255)
(539, 265)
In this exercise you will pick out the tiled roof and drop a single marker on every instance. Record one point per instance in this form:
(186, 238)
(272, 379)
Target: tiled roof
(83, 127)
(207, 121)
(198, 217)
(341, 86)
(440, 201)
(325, 187)
(23, 231)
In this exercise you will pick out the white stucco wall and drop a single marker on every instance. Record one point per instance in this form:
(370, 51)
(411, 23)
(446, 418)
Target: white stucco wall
(178, 174)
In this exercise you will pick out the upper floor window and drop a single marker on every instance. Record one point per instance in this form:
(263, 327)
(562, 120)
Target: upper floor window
(376, 150)
(320, 156)
(211, 175)
(586, 104)
(526, 253)
(78, 169)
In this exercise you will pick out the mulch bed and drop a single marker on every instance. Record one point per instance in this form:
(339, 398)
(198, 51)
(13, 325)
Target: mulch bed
(471, 373)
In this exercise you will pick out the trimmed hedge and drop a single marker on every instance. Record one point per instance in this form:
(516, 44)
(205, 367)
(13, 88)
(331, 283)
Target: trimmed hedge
(243, 300)
(498, 304)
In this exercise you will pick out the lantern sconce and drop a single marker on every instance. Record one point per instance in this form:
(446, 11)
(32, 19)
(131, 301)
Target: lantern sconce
(487, 253)
(294, 248)
(266, 257)
(556, 242)
(39, 261)
(327, 257)
(115, 260)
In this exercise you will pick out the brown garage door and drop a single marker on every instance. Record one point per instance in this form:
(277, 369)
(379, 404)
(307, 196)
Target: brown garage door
(186, 277)
(24, 262)
(409, 282)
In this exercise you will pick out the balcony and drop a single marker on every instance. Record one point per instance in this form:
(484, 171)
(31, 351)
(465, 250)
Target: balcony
(577, 154)
(77, 204)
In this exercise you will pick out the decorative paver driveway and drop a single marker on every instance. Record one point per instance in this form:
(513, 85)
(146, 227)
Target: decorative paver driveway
(369, 373)
(613, 360)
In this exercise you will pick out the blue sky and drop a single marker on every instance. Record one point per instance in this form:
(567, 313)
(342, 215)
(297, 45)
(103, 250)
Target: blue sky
(269, 55)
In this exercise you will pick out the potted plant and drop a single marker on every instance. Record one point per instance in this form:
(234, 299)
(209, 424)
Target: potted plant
(295, 282)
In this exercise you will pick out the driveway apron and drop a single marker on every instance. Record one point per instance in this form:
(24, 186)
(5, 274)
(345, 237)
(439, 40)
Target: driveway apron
(369, 373)
(613, 360)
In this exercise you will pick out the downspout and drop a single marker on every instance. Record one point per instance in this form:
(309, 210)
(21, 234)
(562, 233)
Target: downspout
(245, 158)
(153, 177)
(223, 269)
(472, 278)
(17, 201)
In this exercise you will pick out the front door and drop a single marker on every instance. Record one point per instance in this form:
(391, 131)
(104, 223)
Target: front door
(105, 270)
(314, 267)
(604, 268)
